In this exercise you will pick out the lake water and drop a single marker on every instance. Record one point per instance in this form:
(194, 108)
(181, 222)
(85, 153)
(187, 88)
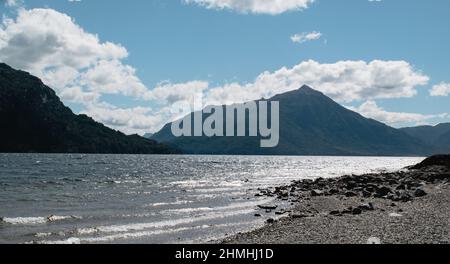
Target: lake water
(150, 199)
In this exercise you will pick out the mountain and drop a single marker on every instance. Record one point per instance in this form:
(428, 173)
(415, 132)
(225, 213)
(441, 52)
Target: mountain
(438, 136)
(148, 135)
(33, 119)
(310, 124)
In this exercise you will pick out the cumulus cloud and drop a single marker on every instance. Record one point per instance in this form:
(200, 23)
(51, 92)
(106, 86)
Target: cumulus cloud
(442, 89)
(344, 81)
(81, 68)
(370, 109)
(272, 7)
(52, 46)
(76, 63)
(136, 120)
(172, 93)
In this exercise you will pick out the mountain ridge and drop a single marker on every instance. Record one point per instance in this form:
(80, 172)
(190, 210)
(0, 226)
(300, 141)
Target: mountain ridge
(35, 120)
(438, 135)
(310, 124)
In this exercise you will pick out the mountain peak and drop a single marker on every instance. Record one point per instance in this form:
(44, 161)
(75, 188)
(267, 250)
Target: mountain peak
(305, 89)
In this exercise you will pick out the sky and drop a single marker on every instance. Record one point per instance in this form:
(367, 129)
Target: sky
(128, 64)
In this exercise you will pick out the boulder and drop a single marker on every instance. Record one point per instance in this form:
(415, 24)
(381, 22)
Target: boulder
(356, 211)
(438, 160)
(383, 191)
(419, 193)
(316, 193)
(350, 194)
(270, 221)
(268, 207)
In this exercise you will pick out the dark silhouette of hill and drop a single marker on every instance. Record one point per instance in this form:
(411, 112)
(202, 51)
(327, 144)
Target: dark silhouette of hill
(33, 119)
(310, 124)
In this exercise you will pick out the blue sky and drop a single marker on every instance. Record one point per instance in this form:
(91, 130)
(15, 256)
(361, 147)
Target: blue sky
(174, 48)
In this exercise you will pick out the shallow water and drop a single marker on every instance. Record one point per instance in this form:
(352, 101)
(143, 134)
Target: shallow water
(150, 199)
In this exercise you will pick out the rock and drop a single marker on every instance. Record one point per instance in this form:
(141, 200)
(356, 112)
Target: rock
(383, 191)
(280, 212)
(268, 207)
(366, 207)
(366, 194)
(335, 213)
(297, 216)
(438, 160)
(356, 211)
(420, 193)
(350, 194)
(405, 197)
(284, 194)
(257, 215)
(401, 187)
(270, 221)
(348, 210)
(350, 185)
(333, 191)
(316, 193)
(369, 189)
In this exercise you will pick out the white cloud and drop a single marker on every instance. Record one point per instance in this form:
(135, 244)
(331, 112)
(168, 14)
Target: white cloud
(137, 120)
(370, 109)
(12, 3)
(77, 95)
(75, 63)
(81, 68)
(272, 7)
(306, 36)
(113, 77)
(442, 89)
(53, 47)
(344, 81)
(171, 93)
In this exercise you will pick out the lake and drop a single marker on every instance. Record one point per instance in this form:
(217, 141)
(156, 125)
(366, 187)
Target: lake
(74, 198)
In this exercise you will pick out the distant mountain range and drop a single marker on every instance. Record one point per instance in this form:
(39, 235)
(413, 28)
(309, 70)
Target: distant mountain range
(33, 119)
(313, 124)
(437, 136)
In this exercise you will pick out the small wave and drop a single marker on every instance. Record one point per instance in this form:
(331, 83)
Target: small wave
(226, 208)
(36, 220)
(162, 224)
(136, 235)
(42, 235)
(69, 241)
(24, 220)
(181, 202)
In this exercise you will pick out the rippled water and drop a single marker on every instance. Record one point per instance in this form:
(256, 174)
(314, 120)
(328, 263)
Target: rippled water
(150, 199)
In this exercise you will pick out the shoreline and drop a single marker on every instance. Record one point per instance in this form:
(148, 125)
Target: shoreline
(403, 207)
